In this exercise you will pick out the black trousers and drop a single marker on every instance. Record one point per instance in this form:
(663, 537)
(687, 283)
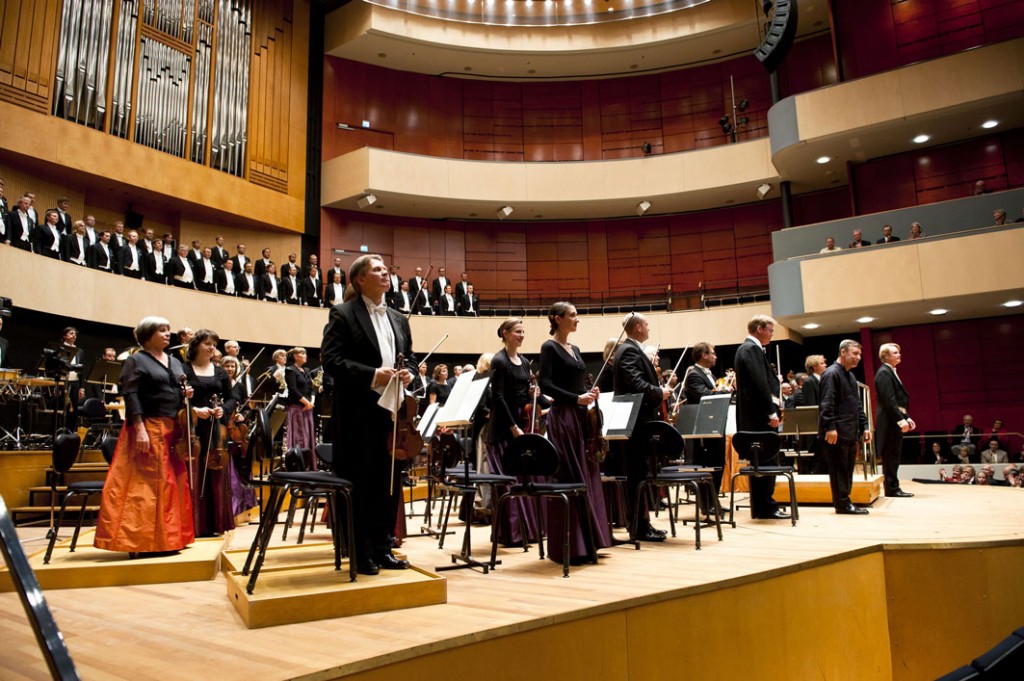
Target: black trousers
(711, 453)
(841, 458)
(889, 444)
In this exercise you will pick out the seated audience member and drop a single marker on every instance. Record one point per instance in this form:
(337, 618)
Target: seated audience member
(983, 478)
(965, 440)
(979, 188)
(830, 246)
(994, 454)
(915, 231)
(937, 455)
(887, 236)
(1009, 477)
(996, 431)
(224, 278)
(968, 476)
(999, 217)
(156, 263)
(858, 240)
(955, 477)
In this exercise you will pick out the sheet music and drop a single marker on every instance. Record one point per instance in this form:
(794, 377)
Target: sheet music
(462, 403)
(620, 412)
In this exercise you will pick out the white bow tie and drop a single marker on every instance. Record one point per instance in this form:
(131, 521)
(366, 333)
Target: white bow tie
(379, 309)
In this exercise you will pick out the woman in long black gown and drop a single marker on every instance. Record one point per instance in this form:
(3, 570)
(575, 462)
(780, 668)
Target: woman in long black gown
(510, 393)
(562, 373)
(211, 488)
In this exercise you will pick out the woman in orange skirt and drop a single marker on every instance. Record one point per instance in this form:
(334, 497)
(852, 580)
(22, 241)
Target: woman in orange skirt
(146, 506)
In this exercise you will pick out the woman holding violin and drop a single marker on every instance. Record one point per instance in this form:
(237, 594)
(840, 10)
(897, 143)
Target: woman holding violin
(211, 476)
(146, 506)
(511, 397)
(243, 497)
(300, 402)
(562, 373)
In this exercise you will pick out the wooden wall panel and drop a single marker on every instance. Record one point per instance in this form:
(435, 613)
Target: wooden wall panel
(28, 52)
(809, 66)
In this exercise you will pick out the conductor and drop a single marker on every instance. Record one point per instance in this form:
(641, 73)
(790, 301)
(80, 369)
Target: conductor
(361, 343)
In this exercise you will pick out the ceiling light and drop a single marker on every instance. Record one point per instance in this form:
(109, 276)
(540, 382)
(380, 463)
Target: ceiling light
(989, 124)
(921, 139)
(366, 201)
(811, 326)
(763, 190)
(643, 207)
(504, 212)
(1013, 303)
(823, 160)
(865, 320)
(938, 311)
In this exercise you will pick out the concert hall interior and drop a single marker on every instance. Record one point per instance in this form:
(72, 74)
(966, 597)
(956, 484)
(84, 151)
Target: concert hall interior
(699, 162)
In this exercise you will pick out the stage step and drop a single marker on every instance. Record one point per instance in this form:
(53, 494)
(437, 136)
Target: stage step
(45, 511)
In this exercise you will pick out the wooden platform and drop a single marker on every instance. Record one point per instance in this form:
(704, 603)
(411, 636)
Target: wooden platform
(842, 597)
(815, 489)
(298, 583)
(91, 567)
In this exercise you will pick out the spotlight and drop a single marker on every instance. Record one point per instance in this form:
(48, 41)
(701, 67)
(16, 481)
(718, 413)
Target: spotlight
(723, 121)
(742, 120)
(727, 128)
(763, 190)
(646, 148)
(504, 212)
(643, 207)
(366, 201)
(742, 106)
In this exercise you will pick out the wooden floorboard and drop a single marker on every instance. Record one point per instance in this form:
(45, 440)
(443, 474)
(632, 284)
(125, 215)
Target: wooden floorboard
(191, 631)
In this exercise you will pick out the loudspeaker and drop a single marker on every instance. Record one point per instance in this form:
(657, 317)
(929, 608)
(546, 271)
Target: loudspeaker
(132, 220)
(779, 36)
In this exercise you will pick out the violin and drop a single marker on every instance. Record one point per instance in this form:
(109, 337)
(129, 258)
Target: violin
(596, 444)
(187, 443)
(238, 433)
(405, 440)
(216, 450)
(532, 416)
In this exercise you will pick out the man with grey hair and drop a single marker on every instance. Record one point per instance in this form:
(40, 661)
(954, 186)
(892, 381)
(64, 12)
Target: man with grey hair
(891, 417)
(841, 424)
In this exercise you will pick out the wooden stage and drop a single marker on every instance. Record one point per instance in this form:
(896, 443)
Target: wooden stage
(915, 589)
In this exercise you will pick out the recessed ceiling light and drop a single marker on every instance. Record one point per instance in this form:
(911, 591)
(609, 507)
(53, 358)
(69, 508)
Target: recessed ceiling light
(811, 326)
(823, 159)
(1013, 303)
(865, 320)
(921, 139)
(989, 124)
(938, 311)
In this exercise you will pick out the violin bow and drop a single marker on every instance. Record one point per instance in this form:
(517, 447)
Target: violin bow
(412, 308)
(625, 323)
(245, 369)
(183, 379)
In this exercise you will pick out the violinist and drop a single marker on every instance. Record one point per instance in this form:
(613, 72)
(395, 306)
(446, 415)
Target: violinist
(362, 341)
(146, 506)
(440, 388)
(300, 402)
(511, 395)
(562, 373)
(211, 478)
(243, 497)
(636, 374)
(698, 382)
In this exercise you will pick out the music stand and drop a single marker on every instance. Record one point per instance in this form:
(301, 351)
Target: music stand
(620, 414)
(457, 415)
(800, 421)
(105, 373)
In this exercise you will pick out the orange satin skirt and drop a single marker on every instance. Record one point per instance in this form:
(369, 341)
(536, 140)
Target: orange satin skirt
(146, 502)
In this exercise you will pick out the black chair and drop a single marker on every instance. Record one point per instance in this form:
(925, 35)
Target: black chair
(96, 419)
(297, 460)
(65, 452)
(1004, 660)
(663, 443)
(757, 447)
(338, 492)
(533, 456)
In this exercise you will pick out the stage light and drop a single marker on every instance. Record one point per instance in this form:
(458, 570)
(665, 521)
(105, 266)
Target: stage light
(938, 312)
(864, 320)
(366, 201)
(763, 190)
(921, 139)
(504, 212)
(643, 207)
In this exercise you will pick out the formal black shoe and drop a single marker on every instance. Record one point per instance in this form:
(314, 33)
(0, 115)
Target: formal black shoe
(777, 514)
(388, 561)
(899, 493)
(852, 510)
(367, 567)
(651, 535)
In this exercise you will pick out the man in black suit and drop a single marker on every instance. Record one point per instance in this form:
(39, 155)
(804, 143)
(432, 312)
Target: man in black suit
(219, 254)
(446, 304)
(422, 302)
(246, 283)
(196, 253)
(462, 288)
(636, 375)
(203, 270)
(309, 288)
(224, 279)
(179, 269)
(268, 285)
(757, 389)
(698, 382)
(100, 256)
(64, 221)
(469, 304)
(891, 417)
(858, 240)
(156, 263)
(20, 231)
(394, 285)
(118, 239)
(361, 343)
(290, 285)
(887, 237)
(440, 283)
(48, 236)
(841, 424)
(74, 245)
(129, 259)
(329, 274)
(240, 258)
(260, 266)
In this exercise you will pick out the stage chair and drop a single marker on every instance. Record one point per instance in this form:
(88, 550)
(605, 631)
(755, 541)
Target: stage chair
(339, 503)
(758, 446)
(95, 417)
(65, 452)
(297, 460)
(663, 443)
(531, 456)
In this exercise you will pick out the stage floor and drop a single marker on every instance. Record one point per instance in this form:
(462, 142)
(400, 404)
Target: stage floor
(191, 631)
